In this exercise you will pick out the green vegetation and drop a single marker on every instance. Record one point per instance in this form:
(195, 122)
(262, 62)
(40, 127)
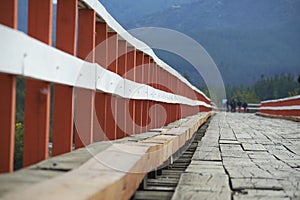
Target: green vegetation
(19, 128)
(273, 87)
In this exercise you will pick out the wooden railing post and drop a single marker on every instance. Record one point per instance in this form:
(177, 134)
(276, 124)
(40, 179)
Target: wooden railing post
(139, 103)
(156, 86)
(63, 111)
(100, 98)
(121, 102)
(84, 97)
(145, 108)
(130, 74)
(111, 109)
(8, 17)
(37, 96)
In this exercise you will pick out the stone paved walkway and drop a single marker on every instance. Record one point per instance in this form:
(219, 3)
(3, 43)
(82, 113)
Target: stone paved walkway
(244, 156)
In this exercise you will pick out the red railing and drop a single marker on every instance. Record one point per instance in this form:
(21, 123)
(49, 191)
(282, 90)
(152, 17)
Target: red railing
(84, 30)
(285, 107)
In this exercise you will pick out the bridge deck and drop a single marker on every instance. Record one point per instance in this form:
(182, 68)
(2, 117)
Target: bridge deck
(244, 156)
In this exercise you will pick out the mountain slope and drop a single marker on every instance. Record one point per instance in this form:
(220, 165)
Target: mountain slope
(125, 11)
(246, 38)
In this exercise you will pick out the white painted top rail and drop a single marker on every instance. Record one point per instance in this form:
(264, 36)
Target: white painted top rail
(284, 99)
(280, 108)
(111, 22)
(25, 56)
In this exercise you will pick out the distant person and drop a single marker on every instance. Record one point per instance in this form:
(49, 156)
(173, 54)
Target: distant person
(245, 105)
(227, 105)
(233, 105)
(239, 104)
(299, 78)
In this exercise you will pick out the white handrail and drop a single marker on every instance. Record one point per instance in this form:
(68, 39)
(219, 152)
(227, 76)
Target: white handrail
(111, 22)
(28, 57)
(283, 99)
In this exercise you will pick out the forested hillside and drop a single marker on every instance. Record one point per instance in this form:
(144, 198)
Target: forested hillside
(246, 38)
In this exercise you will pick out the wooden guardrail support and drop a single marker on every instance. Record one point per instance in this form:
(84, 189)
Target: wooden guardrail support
(37, 95)
(101, 54)
(8, 17)
(84, 97)
(63, 110)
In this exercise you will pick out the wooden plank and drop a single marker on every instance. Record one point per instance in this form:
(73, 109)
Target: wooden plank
(104, 175)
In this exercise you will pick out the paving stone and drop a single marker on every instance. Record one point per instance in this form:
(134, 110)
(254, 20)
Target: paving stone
(255, 183)
(206, 171)
(247, 172)
(204, 182)
(207, 155)
(203, 195)
(223, 141)
(207, 163)
(227, 134)
(261, 194)
(259, 156)
(253, 147)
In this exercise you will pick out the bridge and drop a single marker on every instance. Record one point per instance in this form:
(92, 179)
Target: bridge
(123, 118)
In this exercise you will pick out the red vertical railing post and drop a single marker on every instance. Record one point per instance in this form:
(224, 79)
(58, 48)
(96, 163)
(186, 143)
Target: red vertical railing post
(178, 108)
(85, 97)
(63, 111)
(145, 105)
(139, 103)
(111, 109)
(37, 95)
(169, 105)
(172, 107)
(121, 102)
(100, 98)
(157, 115)
(8, 17)
(130, 104)
(152, 104)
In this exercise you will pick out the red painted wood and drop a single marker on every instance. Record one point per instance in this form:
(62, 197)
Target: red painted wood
(145, 106)
(112, 52)
(130, 104)
(157, 87)
(85, 98)
(111, 106)
(151, 81)
(121, 103)
(9, 13)
(7, 122)
(37, 95)
(292, 102)
(100, 98)
(138, 103)
(63, 110)
(8, 17)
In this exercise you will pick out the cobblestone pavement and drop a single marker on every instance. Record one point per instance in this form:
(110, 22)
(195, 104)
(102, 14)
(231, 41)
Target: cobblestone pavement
(244, 156)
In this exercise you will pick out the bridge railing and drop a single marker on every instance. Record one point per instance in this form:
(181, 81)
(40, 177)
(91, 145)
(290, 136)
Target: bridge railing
(107, 84)
(285, 107)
